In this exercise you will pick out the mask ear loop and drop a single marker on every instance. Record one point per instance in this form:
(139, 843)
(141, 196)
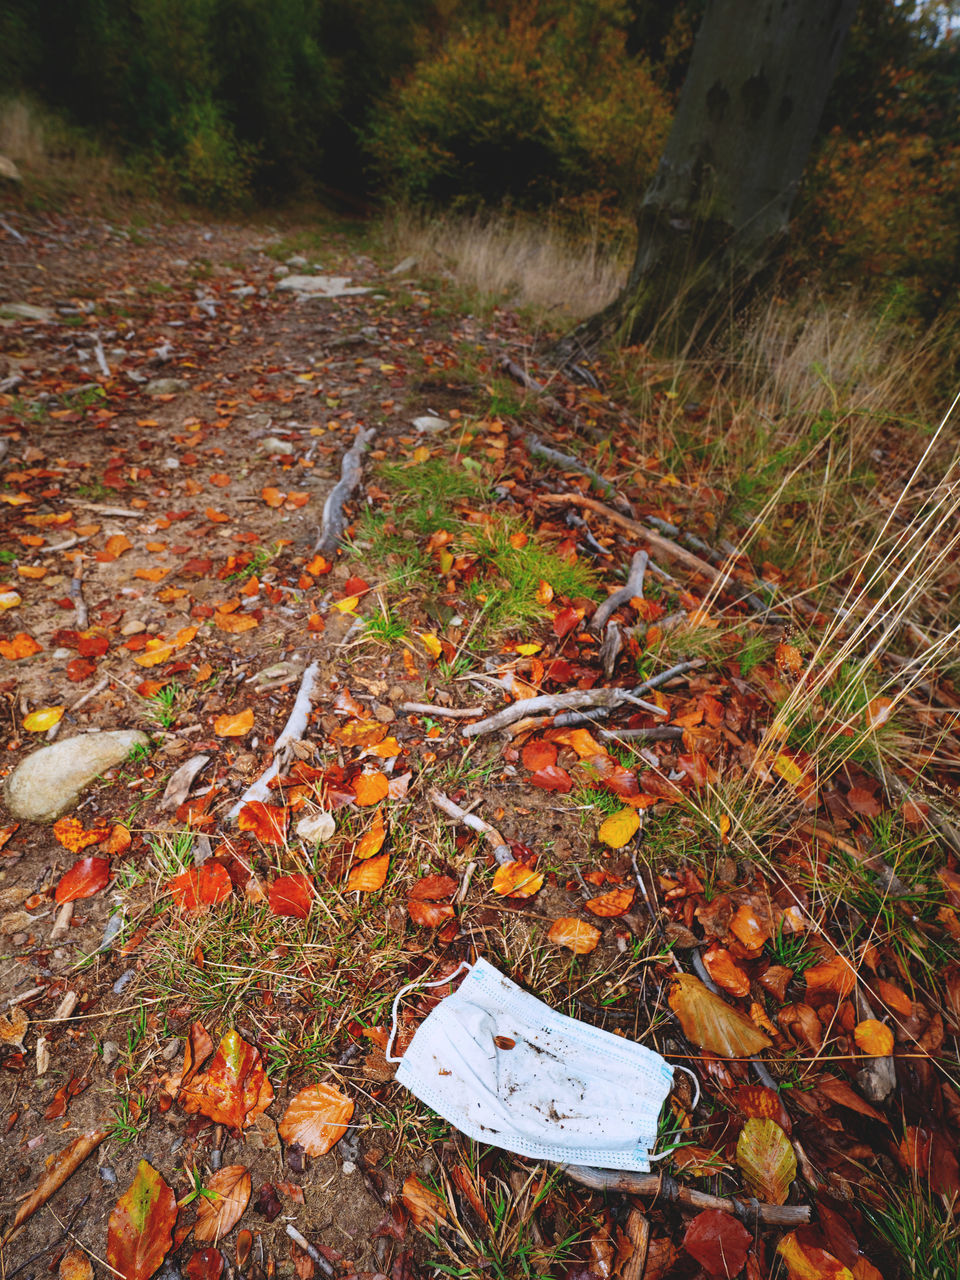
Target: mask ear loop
(440, 982)
(696, 1098)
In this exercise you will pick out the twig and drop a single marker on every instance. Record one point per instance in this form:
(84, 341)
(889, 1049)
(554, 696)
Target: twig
(61, 926)
(119, 512)
(566, 460)
(76, 595)
(633, 587)
(671, 673)
(66, 1230)
(75, 706)
(660, 733)
(308, 1249)
(567, 719)
(575, 700)
(498, 846)
(333, 519)
(660, 1186)
(101, 359)
(294, 728)
(430, 709)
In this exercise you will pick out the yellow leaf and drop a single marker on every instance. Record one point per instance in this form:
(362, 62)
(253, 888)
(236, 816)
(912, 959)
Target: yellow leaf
(710, 1023)
(788, 769)
(526, 650)
(346, 606)
(386, 749)
(10, 599)
(577, 935)
(45, 718)
(155, 652)
(620, 828)
(517, 880)
(421, 454)
(431, 644)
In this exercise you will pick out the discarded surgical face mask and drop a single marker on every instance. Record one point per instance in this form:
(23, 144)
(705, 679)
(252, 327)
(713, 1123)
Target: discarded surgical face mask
(507, 1070)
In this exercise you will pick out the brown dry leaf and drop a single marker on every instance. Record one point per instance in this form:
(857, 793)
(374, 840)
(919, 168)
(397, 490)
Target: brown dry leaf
(75, 1265)
(216, 1217)
(616, 902)
(836, 974)
(237, 726)
(317, 1118)
(766, 1158)
(426, 1210)
(61, 1167)
(581, 938)
(13, 1026)
(235, 624)
(725, 971)
(710, 1023)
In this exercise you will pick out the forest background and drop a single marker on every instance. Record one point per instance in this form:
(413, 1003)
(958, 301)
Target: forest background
(528, 105)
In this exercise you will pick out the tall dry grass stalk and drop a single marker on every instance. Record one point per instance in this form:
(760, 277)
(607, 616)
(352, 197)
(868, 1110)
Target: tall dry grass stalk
(513, 260)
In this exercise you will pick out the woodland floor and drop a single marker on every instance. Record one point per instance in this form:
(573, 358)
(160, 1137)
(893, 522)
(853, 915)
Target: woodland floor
(461, 586)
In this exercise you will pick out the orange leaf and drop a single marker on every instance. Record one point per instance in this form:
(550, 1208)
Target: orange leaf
(371, 788)
(21, 646)
(231, 1195)
(614, 903)
(425, 1208)
(237, 726)
(234, 1089)
(369, 876)
(151, 575)
(836, 975)
(118, 841)
(118, 544)
(292, 896)
(86, 877)
(873, 1038)
(317, 1118)
(155, 653)
(235, 624)
(371, 842)
(725, 971)
(710, 1023)
(810, 1262)
(72, 835)
(273, 497)
(268, 822)
(577, 935)
(517, 880)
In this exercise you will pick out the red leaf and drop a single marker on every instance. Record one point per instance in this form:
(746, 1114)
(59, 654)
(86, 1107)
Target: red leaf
(200, 887)
(92, 646)
(268, 822)
(205, 1264)
(141, 1226)
(552, 778)
(565, 621)
(79, 669)
(539, 754)
(719, 1242)
(292, 896)
(426, 903)
(86, 877)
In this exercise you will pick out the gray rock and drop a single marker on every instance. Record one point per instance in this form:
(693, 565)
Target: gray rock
(403, 267)
(273, 444)
(49, 781)
(298, 260)
(166, 386)
(430, 423)
(321, 286)
(281, 271)
(25, 311)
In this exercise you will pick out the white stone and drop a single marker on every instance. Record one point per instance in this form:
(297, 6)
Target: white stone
(49, 781)
(321, 286)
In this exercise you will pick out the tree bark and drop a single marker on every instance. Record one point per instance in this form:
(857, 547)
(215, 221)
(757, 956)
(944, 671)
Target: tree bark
(719, 205)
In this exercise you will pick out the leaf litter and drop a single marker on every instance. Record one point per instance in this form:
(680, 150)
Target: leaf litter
(680, 839)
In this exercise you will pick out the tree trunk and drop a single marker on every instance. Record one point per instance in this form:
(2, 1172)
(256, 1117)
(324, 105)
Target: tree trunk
(719, 205)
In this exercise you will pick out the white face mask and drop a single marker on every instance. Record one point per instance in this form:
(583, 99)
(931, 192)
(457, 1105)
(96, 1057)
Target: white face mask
(506, 1070)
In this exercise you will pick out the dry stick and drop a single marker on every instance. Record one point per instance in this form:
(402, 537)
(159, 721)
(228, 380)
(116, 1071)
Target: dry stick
(633, 587)
(75, 706)
(896, 786)
(520, 375)
(119, 512)
(498, 846)
(430, 709)
(659, 1186)
(294, 728)
(76, 595)
(333, 520)
(567, 461)
(661, 733)
(575, 700)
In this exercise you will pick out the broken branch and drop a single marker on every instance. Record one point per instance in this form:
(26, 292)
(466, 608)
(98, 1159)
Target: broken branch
(633, 587)
(333, 520)
(549, 704)
(498, 846)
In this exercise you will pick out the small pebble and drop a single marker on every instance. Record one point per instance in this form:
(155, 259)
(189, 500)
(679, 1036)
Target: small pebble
(349, 1167)
(110, 1051)
(107, 1175)
(123, 981)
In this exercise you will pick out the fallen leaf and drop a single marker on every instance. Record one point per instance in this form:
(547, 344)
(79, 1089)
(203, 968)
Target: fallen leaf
(371, 788)
(198, 888)
(268, 822)
(552, 777)
(710, 1023)
(426, 1210)
(86, 877)
(620, 828)
(725, 971)
(42, 720)
(231, 1188)
(59, 1169)
(75, 1265)
(719, 1242)
(616, 902)
(517, 880)
(766, 1159)
(235, 726)
(538, 754)
(371, 842)
(73, 836)
(810, 1262)
(317, 1118)
(369, 876)
(13, 1026)
(578, 936)
(234, 1089)
(873, 1038)
(428, 903)
(292, 896)
(235, 624)
(140, 1232)
(837, 975)
(204, 1264)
